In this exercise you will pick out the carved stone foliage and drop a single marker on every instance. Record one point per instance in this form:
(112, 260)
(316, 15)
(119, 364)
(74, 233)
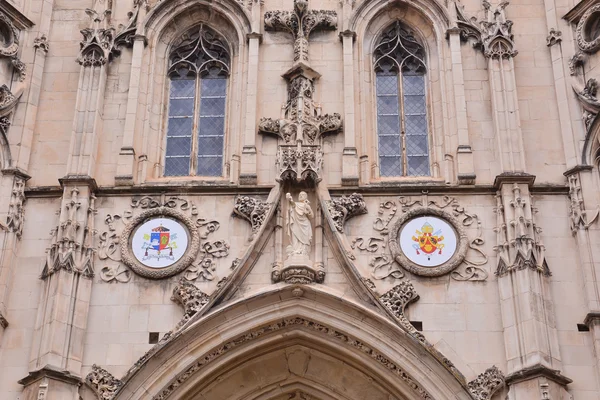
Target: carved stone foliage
(72, 246)
(586, 35)
(580, 218)
(300, 23)
(588, 100)
(9, 35)
(298, 322)
(98, 40)
(190, 298)
(469, 27)
(576, 62)
(199, 262)
(41, 43)
(16, 207)
(253, 210)
(8, 100)
(344, 208)
(299, 163)
(518, 238)
(396, 299)
(102, 382)
(4, 125)
(463, 265)
(126, 34)
(554, 37)
(486, 384)
(496, 32)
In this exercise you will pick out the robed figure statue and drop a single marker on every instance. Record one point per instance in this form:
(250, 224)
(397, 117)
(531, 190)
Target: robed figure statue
(298, 225)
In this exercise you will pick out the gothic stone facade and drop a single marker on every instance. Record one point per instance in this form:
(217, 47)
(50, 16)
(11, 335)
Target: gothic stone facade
(299, 199)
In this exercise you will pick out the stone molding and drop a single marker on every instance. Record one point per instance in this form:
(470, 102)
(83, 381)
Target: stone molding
(486, 384)
(536, 371)
(311, 326)
(496, 36)
(586, 44)
(579, 216)
(16, 207)
(104, 384)
(344, 208)
(51, 372)
(188, 258)
(98, 40)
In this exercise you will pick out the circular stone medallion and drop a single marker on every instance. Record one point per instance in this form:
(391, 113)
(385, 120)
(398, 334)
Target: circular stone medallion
(428, 241)
(159, 242)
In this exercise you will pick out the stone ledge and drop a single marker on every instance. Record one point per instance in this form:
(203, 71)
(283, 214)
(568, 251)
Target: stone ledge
(51, 372)
(513, 177)
(537, 371)
(591, 317)
(578, 168)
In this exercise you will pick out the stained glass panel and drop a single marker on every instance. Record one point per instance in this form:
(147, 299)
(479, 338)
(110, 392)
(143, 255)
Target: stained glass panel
(179, 127)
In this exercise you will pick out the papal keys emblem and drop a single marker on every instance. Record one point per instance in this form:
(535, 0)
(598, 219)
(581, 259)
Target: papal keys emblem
(427, 240)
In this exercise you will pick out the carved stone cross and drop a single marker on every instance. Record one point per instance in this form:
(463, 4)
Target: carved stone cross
(300, 23)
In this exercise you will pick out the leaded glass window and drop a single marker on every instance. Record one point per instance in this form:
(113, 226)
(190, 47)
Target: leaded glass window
(402, 125)
(198, 71)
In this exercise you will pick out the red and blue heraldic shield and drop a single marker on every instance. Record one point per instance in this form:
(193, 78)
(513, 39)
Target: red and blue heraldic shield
(160, 235)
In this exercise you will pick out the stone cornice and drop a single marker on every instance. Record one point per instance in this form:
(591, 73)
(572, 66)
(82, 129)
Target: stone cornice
(16, 16)
(51, 372)
(16, 172)
(578, 168)
(575, 13)
(513, 177)
(536, 371)
(78, 180)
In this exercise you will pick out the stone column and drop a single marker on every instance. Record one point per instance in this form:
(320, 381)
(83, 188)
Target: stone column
(499, 49)
(530, 335)
(57, 349)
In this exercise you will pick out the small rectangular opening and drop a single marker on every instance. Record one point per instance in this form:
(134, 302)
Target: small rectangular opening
(153, 337)
(418, 325)
(583, 328)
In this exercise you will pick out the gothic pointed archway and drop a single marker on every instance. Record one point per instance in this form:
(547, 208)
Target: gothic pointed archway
(290, 340)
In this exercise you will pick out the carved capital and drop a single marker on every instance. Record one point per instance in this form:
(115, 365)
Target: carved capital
(344, 208)
(486, 384)
(41, 43)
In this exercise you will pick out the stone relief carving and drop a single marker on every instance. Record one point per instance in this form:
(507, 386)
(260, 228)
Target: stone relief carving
(7, 99)
(371, 244)
(554, 37)
(312, 326)
(126, 35)
(300, 23)
(344, 208)
(576, 62)
(468, 26)
(518, 238)
(190, 298)
(253, 210)
(102, 382)
(200, 257)
(72, 248)
(580, 218)
(588, 40)
(450, 210)
(16, 207)
(486, 384)
(41, 43)
(302, 124)
(298, 225)
(396, 299)
(496, 32)
(588, 100)
(97, 41)
(9, 46)
(4, 125)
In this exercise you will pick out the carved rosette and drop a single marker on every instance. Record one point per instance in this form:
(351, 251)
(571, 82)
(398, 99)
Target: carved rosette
(344, 208)
(486, 384)
(253, 210)
(190, 298)
(104, 384)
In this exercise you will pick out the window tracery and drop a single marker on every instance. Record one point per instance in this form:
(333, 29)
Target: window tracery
(402, 124)
(199, 69)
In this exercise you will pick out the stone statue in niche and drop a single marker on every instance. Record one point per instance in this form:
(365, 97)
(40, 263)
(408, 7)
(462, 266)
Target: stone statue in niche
(298, 224)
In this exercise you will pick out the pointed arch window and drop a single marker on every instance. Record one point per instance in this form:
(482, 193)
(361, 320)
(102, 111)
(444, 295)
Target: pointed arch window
(402, 124)
(198, 71)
